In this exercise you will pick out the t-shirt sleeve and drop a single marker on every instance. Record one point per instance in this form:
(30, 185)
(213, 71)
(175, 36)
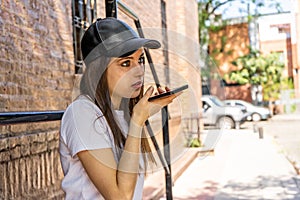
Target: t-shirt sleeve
(84, 128)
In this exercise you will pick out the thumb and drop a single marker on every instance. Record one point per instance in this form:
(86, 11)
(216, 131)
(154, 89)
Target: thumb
(149, 92)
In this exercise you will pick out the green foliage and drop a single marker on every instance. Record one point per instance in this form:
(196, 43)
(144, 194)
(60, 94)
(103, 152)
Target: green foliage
(265, 70)
(292, 108)
(287, 84)
(195, 142)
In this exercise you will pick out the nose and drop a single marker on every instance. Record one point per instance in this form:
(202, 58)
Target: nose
(139, 69)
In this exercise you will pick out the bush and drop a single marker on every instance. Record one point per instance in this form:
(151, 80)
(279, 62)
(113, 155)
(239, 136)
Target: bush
(195, 142)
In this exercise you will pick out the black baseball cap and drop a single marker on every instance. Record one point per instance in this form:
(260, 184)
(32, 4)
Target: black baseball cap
(112, 38)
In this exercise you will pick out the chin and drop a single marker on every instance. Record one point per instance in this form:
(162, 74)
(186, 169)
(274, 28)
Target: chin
(135, 93)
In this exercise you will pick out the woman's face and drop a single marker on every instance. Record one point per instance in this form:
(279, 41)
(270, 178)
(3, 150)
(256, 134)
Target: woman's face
(125, 76)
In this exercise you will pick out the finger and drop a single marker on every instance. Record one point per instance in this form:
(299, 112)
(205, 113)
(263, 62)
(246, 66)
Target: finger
(160, 91)
(149, 92)
(167, 89)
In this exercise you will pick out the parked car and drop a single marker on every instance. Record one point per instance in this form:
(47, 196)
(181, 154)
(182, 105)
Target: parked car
(215, 112)
(256, 113)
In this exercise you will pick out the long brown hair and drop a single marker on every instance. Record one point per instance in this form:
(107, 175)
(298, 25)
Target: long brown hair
(94, 84)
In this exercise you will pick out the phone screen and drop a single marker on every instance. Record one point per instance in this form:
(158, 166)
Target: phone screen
(166, 94)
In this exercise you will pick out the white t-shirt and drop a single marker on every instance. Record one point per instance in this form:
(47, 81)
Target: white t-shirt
(84, 128)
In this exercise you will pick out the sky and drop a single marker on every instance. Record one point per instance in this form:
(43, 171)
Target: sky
(237, 9)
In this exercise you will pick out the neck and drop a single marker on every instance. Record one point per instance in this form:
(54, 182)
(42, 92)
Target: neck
(116, 102)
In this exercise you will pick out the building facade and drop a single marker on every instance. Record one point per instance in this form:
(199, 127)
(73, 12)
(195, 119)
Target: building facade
(39, 72)
(296, 45)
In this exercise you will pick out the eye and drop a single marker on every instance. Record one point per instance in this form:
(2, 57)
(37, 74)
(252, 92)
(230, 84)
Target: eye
(126, 63)
(142, 60)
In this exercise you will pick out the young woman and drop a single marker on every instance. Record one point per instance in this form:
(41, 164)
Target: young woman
(103, 147)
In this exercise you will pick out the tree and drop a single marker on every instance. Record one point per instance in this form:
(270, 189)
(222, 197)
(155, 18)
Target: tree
(258, 69)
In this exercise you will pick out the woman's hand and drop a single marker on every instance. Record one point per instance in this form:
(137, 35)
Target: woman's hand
(144, 109)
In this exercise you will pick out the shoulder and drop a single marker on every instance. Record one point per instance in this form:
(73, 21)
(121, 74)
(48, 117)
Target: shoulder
(84, 127)
(81, 114)
(82, 106)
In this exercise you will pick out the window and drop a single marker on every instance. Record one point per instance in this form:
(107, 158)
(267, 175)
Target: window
(281, 56)
(83, 14)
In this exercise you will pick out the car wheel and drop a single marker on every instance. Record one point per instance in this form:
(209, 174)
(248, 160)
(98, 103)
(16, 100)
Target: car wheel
(225, 123)
(256, 117)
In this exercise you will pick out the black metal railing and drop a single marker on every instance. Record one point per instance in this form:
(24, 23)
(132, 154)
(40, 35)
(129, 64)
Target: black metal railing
(9, 118)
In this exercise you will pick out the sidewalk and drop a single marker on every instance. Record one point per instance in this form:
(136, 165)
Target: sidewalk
(286, 117)
(242, 167)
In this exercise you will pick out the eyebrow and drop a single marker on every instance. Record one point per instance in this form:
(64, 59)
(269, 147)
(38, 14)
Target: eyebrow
(130, 57)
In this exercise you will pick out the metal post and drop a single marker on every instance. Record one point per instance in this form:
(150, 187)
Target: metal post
(165, 41)
(111, 8)
(255, 127)
(149, 58)
(165, 113)
(166, 142)
(261, 132)
(162, 159)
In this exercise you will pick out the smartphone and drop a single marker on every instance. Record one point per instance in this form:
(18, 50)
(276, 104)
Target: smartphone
(166, 94)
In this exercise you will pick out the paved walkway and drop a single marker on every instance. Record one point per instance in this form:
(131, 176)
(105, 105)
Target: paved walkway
(242, 167)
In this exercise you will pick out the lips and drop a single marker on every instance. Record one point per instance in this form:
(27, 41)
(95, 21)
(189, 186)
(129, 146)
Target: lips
(137, 85)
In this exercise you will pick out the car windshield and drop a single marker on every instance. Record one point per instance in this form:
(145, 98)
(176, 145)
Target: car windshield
(217, 101)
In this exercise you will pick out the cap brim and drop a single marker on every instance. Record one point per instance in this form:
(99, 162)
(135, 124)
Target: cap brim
(133, 45)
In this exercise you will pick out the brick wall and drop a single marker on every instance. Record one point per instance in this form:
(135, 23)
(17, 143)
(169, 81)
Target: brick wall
(226, 45)
(182, 17)
(37, 74)
(36, 55)
(37, 70)
(235, 43)
(30, 167)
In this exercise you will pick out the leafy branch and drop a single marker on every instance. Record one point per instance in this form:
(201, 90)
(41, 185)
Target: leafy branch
(257, 69)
